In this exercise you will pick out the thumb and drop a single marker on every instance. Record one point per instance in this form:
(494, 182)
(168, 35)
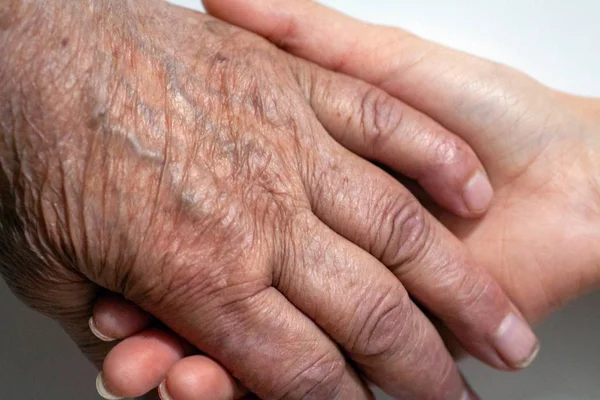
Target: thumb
(474, 98)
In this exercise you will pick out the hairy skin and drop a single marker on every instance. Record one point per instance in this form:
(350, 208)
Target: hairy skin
(194, 171)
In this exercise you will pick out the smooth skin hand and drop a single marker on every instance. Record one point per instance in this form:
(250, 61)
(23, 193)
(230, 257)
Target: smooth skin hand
(196, 170)
(541, 149)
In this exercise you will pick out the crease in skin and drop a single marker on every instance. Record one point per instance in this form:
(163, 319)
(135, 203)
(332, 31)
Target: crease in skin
(9, 156)
(138, 146)
(183, 107)
(246, 154)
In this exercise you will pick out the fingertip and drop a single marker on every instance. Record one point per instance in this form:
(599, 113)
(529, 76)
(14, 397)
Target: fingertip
(102, 390)
(468, 198)
(452, 174)
(516, 342)
(478, 193)
(163, 393)
(493, 330)
(97, 331)
(139, 363)
(199, 378)
(116, 318)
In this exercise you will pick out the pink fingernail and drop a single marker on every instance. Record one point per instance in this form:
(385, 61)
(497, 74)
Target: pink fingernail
(478, 193)
(162, 392)
(516, 343)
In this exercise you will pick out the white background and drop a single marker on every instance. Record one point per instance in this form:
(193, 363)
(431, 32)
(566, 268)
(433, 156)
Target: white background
(556, 41)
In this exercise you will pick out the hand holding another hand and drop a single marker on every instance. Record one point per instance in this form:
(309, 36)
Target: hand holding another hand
(540, 148)
(199, 173)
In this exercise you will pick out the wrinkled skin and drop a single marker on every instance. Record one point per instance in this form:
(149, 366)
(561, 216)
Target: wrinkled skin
(540, 147)
(191, 171)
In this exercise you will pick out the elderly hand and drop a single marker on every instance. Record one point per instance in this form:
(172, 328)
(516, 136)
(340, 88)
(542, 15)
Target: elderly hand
(541, 149)
(157, 153)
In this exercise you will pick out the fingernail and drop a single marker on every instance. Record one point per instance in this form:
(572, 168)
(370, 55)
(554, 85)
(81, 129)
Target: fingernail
(516, 343)
(469, 395)
(162, 392)
(103, 391)
(478, 193)
(97, 333)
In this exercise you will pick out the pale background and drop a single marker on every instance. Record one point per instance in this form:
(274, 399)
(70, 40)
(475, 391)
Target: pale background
(556, 41)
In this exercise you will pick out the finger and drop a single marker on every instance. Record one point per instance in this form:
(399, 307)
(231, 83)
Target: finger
(199, 378)
(134, 365)
(374, 125)
(477, 99)
(263, 340)
(139, 364)
(116, 318)
(372, 210)
(364, 308)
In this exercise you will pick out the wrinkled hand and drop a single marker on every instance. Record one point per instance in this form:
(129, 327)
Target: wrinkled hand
(540, 148)
(187, 165)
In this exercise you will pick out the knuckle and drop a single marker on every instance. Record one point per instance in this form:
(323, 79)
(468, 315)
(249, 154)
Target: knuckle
(220, 280)
(405, 232)
(228, 296)
(386, 326)
(211, 257)
(446, 157)
(448, 151)
(476, 295)
(294, 247)
(381, 117)
(319, 379)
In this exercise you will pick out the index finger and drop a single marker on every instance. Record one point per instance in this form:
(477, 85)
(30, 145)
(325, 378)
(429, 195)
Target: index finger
(466, 94)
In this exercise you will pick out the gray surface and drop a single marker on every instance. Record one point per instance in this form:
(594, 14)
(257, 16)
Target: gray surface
(555, 41)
